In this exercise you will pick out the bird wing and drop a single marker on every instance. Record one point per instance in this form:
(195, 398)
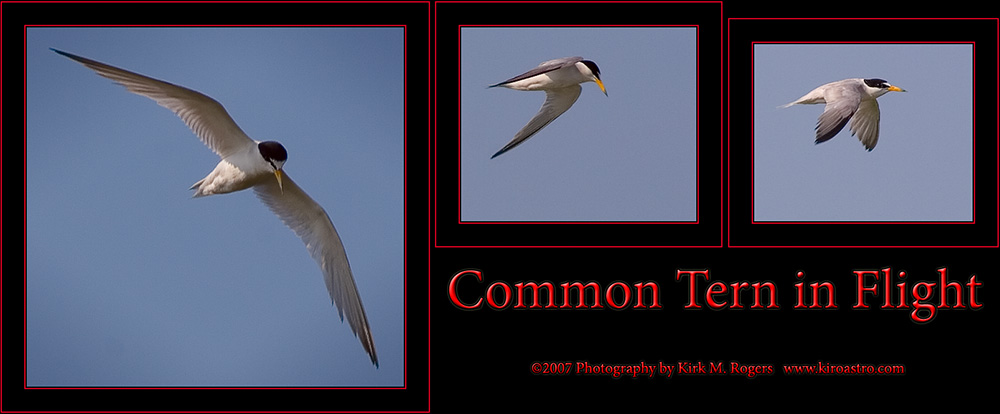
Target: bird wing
(865, 122)
(557, 101)
(204, 115)
(543, 67)
(311, 223)
(841, 103)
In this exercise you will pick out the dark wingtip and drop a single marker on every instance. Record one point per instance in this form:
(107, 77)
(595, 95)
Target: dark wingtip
(825, 137)
(832, 132)
(71, 56)
(498, 153)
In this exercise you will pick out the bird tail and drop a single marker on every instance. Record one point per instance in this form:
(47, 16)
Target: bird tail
(197, 188)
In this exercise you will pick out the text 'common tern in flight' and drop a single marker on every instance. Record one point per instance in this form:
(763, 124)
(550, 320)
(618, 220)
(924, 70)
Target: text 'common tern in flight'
(560, 79)
(848, 99)
(247, 163)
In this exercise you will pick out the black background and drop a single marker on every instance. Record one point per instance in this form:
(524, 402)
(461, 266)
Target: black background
(489, 352)
(415, 395)
(474, 361)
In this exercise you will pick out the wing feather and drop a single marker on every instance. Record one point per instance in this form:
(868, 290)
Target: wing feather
(865, 122)
(543, 67)
(841, 103)
(311, 223)
(557, 101)
(205, 116)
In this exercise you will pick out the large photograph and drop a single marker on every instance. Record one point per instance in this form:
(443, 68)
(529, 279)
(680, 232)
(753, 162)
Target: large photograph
(286, 253)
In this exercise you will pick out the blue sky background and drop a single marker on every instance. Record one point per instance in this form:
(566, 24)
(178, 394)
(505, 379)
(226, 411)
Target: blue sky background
(132, 282)
(921, 169)
(628, 156)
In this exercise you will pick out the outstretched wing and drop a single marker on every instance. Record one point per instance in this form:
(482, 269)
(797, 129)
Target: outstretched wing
(557, 101)
(204, 115)
(311, 223)
(547, 66)
(841, 103)
(864, 124)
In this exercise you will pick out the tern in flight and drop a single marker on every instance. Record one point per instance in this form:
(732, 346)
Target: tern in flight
(848, 99)
(254, 164)
(560, 79)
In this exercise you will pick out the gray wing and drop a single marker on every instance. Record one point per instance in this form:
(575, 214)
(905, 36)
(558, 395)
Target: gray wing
(841, 103)
(865, 122)
(204, 115)
(310, 222)
(543, 67)
(557, 101)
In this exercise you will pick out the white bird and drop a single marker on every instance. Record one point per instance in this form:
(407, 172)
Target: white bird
(247, 163)
(849, 99)
(560, 79)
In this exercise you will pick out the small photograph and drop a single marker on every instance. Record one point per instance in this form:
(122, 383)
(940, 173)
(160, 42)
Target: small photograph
(214, 207)
(578, 124)
(862, 133)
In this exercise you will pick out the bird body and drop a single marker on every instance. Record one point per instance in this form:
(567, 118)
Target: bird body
(234, 173)
(846, 100)
(560, 79)
(247, 163)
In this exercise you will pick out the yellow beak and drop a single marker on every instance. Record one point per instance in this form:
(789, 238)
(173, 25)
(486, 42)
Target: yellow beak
(896, 89)
(277, 174)
(601, 84)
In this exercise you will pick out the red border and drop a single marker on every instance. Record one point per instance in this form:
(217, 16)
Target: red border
(722, 138)
(729, 150)
(406, 357)
(753, 142)
(697, 128)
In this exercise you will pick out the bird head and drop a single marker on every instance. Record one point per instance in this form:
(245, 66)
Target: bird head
(275, 156)
(879, 87)
(595, 73)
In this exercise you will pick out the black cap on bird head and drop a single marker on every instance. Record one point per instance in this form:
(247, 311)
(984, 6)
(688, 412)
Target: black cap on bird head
(274, 153)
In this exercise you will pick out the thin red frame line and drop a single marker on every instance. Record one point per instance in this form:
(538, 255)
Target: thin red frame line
(697, 133)
(728, 152)
(219, 2)
(722, 140)
(862, 18)
(753, 147)
(577, 1)
(405, 232)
